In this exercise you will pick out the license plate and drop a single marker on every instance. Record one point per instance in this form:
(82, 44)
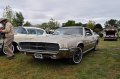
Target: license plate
(36, 55)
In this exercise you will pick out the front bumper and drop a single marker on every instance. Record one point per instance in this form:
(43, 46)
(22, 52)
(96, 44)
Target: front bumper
(62, 53)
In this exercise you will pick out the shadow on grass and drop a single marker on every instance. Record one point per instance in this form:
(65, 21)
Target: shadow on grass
(57, 62)
(49, 62)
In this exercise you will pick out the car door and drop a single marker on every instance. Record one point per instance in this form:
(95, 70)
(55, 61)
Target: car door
(88, 39)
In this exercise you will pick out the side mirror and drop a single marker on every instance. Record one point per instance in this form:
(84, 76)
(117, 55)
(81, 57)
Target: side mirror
(87, 34)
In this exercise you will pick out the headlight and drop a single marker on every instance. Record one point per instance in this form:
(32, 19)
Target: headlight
(63, 45)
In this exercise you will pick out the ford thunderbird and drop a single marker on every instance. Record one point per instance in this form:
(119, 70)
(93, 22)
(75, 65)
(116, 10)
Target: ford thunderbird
(66, 42)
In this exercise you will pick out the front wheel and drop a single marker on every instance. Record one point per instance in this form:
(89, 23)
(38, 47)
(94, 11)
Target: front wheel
(16, 48)
(77, 56)
(4, 49)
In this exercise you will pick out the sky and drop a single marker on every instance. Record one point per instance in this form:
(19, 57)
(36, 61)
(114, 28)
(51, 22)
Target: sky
(39, 11)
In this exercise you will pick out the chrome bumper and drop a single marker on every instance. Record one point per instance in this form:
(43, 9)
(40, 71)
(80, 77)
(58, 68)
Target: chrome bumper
(62, 53)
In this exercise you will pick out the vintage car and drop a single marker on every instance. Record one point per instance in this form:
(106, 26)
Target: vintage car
(24, 33)
(66, 42)
(1, 43)
(1, 40)
(110, 33)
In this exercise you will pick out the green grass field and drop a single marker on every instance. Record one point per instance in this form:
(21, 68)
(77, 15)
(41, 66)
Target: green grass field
(101, 64)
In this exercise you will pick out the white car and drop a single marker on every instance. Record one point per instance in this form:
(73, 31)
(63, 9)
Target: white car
(26, 33)
(22, 34)
(1, 42)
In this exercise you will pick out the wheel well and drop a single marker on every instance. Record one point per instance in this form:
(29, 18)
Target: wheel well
(14, 43)
(81, 45)
(97, 41)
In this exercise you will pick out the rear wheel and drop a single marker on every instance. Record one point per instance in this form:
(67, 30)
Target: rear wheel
(77, 56)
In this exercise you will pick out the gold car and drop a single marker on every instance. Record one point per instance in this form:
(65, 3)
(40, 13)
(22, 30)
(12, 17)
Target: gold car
(66, 42)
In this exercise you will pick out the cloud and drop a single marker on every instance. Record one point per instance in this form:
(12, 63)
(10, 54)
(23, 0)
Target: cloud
(38, 11)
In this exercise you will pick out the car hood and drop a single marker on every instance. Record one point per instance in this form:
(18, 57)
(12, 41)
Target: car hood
(64, 41)
(55, 38)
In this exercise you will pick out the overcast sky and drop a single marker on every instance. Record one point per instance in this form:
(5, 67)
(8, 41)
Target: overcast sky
(39, 11)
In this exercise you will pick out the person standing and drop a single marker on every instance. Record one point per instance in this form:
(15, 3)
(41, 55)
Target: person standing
(8, 38)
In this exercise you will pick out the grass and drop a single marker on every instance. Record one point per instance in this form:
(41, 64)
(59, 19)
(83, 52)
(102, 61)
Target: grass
(101, 64)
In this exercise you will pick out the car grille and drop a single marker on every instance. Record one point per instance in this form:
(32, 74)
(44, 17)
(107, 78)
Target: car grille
(39, 46)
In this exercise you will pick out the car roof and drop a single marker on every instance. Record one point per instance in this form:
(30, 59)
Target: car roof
(31, 27)
(72, 27)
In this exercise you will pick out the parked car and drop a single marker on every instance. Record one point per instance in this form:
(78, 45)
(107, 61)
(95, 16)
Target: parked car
(25, 33)
(111, 33)
(66, 42)
(1, 39)
(1, 43)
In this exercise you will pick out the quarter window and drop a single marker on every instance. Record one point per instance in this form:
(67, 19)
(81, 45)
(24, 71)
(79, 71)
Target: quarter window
(88, 32)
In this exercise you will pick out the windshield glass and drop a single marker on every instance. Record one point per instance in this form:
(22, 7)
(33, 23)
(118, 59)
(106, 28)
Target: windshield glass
(68, 31)
(20, 30)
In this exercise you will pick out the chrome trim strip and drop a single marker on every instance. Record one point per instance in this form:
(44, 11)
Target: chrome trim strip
(63, 49)
(41, 52)
(88, 50)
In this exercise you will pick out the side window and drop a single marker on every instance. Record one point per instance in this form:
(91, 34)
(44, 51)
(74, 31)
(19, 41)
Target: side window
(20, 30)
(31, 31)
(39, 32)
(88, 32)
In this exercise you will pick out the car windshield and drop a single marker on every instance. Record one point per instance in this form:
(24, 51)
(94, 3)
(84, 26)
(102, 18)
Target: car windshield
(68, 31)
(20, 30)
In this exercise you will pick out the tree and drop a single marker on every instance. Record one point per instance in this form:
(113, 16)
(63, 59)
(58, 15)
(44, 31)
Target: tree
(118, 24)
(69, 23)
(8, 13)
(18, 19)
(52, 24)
(90, 24)
(84, 25)
(79, 24)
(27, 24)
(98, 28)
(111, 22)
(44, 25)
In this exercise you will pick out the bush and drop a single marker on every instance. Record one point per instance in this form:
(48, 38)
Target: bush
(101, 35)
